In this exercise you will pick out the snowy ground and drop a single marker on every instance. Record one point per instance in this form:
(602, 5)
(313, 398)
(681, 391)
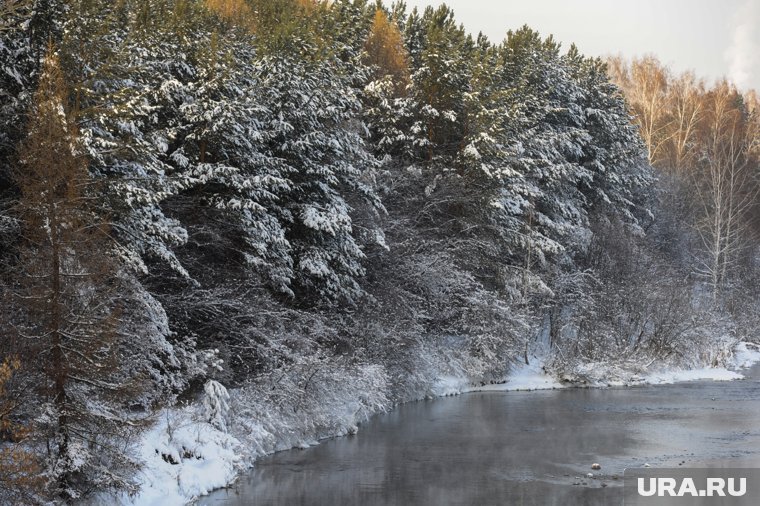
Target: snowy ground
(523, 377)
(635, 371)
(186, 457)
(745, 355)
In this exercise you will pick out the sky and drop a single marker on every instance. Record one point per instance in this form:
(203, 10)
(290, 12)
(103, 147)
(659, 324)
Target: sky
(714, 38)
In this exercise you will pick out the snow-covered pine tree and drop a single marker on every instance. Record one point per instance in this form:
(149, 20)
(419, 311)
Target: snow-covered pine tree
(491, 223)
(221, 148)
(317, 133)
(441, 76)
(396, 133)
(347, 24)
(546, 145)
(129, 83)
(615, 154)
(21, 33)
(396, 136)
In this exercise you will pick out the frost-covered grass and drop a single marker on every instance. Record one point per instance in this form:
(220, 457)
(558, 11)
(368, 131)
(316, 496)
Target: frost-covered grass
(188, 452)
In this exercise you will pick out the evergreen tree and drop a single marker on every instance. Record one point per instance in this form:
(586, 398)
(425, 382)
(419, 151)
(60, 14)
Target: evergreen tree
(620, 176)
(441, 75)
(18, 72)
(234, 184)
(548, 139)
(317, 134)
(68, 297)
(132, 81)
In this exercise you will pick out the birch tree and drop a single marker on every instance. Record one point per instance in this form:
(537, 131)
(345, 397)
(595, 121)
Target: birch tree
(726, 184)
(645, 82)
(687, 110)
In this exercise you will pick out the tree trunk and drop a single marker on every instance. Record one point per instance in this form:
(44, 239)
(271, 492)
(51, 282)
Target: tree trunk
(57, 358)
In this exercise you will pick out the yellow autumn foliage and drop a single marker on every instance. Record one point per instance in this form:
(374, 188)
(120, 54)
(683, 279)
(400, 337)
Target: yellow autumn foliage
(238, 12)
(386, 51)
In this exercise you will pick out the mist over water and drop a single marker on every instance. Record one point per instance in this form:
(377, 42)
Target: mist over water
(529, 448)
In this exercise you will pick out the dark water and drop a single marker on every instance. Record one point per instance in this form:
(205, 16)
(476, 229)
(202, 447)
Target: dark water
(515, 448)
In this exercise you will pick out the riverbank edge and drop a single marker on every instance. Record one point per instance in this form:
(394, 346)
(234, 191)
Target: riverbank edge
(186, 458)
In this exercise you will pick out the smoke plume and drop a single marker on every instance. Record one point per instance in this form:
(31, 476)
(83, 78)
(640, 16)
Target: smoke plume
(744, 53)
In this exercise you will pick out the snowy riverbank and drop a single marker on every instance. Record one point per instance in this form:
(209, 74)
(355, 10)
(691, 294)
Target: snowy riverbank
(186, 457)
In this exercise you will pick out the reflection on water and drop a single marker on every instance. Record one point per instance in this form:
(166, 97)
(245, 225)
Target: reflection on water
(516, 448)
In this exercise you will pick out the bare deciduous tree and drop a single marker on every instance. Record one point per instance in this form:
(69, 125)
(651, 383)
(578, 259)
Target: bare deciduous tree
(686, 110)
(726, 183)
(645, 83)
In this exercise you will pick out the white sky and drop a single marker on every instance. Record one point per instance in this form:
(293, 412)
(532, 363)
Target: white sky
(712, 37)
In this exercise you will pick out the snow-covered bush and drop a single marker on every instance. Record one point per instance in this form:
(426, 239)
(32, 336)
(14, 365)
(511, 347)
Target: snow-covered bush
(216, 404)
(313, 398)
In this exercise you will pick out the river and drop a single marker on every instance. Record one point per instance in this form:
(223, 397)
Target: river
(515, 448)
